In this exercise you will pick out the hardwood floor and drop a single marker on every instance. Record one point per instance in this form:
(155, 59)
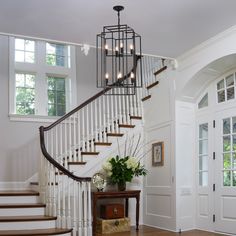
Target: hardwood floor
(150, 231)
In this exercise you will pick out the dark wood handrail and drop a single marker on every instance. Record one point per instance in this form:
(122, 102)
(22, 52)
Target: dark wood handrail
(89, 100)
(42, 129)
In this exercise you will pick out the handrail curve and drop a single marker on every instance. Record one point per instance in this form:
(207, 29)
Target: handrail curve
(42, 129)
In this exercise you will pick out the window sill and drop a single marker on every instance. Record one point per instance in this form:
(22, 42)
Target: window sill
(33, 118)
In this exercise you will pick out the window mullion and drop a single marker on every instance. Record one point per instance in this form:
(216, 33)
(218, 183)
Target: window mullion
(41, 82)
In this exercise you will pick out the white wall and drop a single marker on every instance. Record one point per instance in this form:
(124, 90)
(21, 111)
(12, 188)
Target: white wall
(185, 165)
(159, 185)
(19, 141)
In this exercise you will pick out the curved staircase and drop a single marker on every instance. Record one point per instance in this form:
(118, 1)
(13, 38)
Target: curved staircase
(73, 148)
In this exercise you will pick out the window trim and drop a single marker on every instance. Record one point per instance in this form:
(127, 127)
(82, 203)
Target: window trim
(41, 70)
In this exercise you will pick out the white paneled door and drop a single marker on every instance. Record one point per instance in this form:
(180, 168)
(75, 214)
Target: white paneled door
(225, 172)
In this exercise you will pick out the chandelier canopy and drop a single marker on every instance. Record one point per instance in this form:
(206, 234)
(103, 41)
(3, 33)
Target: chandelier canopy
(118, 52)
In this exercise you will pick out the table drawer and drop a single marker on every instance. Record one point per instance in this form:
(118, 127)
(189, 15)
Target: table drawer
(112, 211)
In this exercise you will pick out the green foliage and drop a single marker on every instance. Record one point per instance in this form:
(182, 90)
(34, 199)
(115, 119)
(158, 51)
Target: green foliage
(121, 170)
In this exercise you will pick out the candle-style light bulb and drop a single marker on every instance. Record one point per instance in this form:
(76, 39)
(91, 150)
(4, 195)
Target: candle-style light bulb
(106, 49)
(131, 48)
(117, 50)
(106, 76)
(132, 76)
(119, 76)
(121, 48)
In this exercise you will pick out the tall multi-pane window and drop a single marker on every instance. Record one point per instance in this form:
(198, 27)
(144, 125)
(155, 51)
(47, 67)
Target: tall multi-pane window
(226, 88)
(229, 151)
(25, 94)
(24, 50)
(203, 154)
(203, 102)
(56, 96)
(43, 88)
(57, 54)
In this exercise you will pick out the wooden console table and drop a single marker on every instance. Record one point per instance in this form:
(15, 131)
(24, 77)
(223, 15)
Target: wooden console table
(121, 194)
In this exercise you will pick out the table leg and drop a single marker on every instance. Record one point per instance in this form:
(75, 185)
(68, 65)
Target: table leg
(94, 215)
(137, 211)
(126, 207)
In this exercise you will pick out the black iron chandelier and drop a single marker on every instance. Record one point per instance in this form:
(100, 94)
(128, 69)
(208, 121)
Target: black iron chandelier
(119, 67)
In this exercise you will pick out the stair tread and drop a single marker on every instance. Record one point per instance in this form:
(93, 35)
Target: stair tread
(26, 218)
(77, 163)
(115, 134)
(126, 126)
(19, 193)
(35, 232)
(89, 153)
(136, 117)
(152, 85)
(146, 98)
(22, 205)
(102, 144)
(160, 70)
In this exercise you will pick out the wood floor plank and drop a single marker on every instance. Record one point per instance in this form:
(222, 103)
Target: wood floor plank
(150, 231)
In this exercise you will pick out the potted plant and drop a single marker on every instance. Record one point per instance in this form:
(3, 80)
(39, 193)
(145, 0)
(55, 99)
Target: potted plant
(122, 169)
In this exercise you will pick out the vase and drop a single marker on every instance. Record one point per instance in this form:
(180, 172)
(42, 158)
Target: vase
(121, 186)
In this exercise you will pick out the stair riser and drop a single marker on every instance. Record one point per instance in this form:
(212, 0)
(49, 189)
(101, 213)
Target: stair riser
(101, 148)
(75, 168)
(136, 122)
(24, 225)
(22, 211)
(113, 139)
(19, 199)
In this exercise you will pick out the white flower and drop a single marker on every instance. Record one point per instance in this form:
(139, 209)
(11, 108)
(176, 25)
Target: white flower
(107, 166)
(132, 163)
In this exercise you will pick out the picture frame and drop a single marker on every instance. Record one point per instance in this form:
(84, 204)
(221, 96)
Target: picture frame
(158, 154)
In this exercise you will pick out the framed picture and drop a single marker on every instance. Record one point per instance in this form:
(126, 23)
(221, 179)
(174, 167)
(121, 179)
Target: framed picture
(158, 154)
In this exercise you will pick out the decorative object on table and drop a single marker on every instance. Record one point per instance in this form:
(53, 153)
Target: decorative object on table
(117, 49)
(122, 169)
(113, 225)
(158, 154)
(99, 181)
(112, 211)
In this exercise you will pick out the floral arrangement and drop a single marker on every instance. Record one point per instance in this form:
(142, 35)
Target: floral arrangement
(121, 170)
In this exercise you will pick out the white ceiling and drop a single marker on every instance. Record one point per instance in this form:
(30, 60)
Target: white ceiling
(167, 27)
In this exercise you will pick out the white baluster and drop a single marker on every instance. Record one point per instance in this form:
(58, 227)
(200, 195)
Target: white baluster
(59, 223)
(74, 207)
(85, 206)
(100, 117)
(61, 144)
(96, 119)
(91, 126)
(66, 146)
(127, 108)
(80, 140)
(106, 115)
(123, 110)
(54, 208)
(63, 225)
(74, 137)
(79, 208)
(70, 135)
(68, 204)
(87, 128)
(89, 209)
(83, 130)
